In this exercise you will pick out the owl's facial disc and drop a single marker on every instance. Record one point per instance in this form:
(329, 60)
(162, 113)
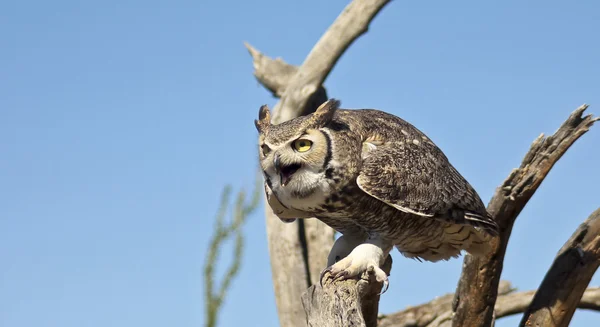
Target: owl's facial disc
(294, 167)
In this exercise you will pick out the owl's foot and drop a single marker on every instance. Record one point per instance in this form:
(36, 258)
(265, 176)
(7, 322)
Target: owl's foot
(342, 248)
(364, 258)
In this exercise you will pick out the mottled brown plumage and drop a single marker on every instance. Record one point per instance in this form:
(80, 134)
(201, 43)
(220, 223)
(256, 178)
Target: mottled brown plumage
(376, 179)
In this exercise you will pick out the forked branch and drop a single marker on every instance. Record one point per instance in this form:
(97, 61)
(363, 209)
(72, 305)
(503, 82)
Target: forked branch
(473, 306)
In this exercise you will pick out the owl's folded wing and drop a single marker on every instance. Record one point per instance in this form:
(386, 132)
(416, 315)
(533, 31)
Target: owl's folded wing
(416, 178)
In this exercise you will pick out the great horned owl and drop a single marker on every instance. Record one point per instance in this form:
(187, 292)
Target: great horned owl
(377, 180)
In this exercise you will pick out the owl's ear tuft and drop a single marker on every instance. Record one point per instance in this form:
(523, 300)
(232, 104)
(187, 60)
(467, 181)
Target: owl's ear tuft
(324, 113)
(264, 119)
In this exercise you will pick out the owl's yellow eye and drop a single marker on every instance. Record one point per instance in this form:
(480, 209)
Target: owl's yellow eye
(302, 145)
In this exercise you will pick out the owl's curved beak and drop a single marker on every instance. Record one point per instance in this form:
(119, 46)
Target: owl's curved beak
(277, 163)
(285, 172)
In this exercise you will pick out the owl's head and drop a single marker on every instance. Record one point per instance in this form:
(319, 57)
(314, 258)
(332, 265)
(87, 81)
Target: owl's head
(294, 154)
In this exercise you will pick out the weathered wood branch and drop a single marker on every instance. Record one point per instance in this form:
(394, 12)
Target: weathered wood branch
(349, 25)
(438, 312)
(480, 276)
(352, 302)
(563, 286)
(430, 313)
(298, 250)
(273, 74)
(519, 302)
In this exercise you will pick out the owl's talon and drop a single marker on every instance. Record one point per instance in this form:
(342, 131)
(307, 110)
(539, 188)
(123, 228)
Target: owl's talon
(342, 275)
(386, 285)
(323, 272)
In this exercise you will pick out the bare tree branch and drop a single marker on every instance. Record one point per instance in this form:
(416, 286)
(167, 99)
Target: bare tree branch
(590, 299)
(298, 250)
(519, 302)
(274, 74)
(438, 312)
(473, 306)
(429, 313)
(350, 24)
(557, 297)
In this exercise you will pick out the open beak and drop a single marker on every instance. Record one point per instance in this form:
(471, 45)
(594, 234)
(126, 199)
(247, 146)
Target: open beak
(285, 172)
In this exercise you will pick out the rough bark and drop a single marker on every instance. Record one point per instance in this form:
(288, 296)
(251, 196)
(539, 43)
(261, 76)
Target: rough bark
(299, 250)
(352, 302)
(438, 312)
(480, 276)
(563, 286)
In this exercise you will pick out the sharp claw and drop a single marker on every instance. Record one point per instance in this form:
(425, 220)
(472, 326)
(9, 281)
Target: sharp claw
(386, 285)
(342, 275)
(323, 272)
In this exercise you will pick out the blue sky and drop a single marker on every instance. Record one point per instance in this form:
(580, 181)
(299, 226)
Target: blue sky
(120, 122)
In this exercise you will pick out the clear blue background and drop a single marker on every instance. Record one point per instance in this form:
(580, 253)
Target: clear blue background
(120, 122)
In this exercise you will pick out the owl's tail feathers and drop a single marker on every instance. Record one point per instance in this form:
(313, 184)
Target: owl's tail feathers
(469, 238)
(479, 221)
(431, 252)
(479, 249)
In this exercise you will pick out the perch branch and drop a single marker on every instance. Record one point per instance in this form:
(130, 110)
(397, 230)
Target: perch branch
(563, 286)
(345, 303)
(438, 312)
(476, 292)
(297, 249)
